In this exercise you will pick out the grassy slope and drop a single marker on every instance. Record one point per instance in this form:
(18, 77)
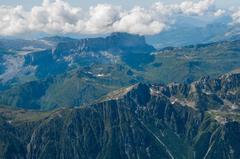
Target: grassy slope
(191, 63)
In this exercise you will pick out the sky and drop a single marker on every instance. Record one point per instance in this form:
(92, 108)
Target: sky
(126, 3)
(144, 17)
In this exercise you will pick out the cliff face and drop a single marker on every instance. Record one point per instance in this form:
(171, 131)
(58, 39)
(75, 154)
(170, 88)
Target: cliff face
(141, 121)
(207, 93)
(118, 42)
(69, 54)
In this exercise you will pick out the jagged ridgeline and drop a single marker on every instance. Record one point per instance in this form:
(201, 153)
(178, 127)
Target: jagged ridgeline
(182, 121)
(58, 72)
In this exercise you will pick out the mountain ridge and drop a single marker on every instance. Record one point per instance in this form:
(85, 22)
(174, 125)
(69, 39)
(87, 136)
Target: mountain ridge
(140, 121)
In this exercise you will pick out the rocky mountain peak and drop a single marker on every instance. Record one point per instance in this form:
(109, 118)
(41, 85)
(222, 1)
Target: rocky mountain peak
(127, 40)
(116, 42)
(140, 92)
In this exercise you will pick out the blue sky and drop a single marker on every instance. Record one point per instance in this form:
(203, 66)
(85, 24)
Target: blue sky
(126, 3)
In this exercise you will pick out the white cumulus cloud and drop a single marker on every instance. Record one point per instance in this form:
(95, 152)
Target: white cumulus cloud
(219, 12)
(56, 16)
(12, 20)
(102, 18)
(236, 16)
(199, 8)
(140, 21)
(59, 17)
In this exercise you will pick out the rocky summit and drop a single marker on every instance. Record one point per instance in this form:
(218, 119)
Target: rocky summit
(199, 120)
(118, 42)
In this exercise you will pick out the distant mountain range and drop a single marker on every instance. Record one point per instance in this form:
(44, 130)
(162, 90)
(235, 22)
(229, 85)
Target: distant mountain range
(194, 32)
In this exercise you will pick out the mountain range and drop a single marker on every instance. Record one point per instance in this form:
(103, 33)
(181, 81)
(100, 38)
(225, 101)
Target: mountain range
(196, 120)
(64, 72)
(192, 30)
(121, 96)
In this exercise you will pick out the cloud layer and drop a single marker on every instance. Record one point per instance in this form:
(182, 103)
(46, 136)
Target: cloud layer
(236, 16)
(59, 17)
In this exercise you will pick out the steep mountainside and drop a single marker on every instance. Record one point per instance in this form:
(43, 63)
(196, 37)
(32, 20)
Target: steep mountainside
(116, 42)
(199, 120)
